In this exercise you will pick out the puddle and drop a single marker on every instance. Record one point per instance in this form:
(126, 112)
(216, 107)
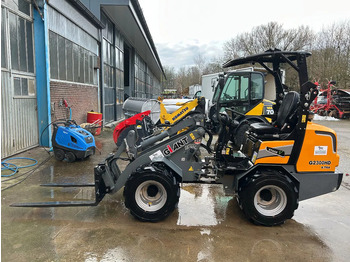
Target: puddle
(112, 255)
(202, 205)
(328, 217)
(205, 231)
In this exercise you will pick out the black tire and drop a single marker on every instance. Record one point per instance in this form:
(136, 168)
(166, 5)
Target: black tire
(70, 157)
(151, 195)
(269, 200)
(59, 154)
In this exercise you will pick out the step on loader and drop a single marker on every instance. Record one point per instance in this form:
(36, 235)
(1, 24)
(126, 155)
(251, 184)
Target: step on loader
(281, 163)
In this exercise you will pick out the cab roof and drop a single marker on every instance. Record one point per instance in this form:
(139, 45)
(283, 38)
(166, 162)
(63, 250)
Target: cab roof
(269, 56)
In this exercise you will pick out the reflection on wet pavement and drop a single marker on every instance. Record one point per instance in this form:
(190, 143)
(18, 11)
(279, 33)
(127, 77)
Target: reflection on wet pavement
(109, 233)
(196, 207)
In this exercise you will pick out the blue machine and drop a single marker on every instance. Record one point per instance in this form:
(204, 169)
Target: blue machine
(71, 142)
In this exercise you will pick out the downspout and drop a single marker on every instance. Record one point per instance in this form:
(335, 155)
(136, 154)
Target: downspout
(42, 68)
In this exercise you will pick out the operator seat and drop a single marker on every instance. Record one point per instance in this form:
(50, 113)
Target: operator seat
(285, 121)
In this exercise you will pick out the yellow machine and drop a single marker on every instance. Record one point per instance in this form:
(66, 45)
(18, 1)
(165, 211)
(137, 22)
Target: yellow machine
(171, 118)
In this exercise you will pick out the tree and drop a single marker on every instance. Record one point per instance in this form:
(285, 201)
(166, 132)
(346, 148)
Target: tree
(330, 49)
(170, 77)
(269, 36)
(331, 55)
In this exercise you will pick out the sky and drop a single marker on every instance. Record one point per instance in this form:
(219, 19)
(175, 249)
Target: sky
(184, 29)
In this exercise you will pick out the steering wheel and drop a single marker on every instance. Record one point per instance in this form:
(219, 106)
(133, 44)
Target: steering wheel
(234, 111)
(227, 97)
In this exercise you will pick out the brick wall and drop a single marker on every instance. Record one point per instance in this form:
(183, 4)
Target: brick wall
(81, 99)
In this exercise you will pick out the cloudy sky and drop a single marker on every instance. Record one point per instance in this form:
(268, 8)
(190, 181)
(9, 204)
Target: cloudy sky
(182, 29)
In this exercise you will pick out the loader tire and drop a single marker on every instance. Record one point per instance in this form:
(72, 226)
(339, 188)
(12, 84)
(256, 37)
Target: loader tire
(151, 196)
(269, 200)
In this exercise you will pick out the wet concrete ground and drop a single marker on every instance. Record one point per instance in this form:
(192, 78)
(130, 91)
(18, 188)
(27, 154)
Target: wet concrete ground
(206, 226)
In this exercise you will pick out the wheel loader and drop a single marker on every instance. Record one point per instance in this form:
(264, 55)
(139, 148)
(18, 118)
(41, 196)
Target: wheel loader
(281, 163)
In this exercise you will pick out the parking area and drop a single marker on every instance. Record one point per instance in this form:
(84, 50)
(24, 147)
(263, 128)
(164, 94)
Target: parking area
(206, 226)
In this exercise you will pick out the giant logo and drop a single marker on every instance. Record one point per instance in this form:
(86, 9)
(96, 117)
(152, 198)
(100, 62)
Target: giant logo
(176, 146)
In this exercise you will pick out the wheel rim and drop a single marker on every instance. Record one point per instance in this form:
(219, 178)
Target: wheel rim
(270, 200)
(150, 196)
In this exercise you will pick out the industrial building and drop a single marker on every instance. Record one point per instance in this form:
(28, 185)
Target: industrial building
(69, 57)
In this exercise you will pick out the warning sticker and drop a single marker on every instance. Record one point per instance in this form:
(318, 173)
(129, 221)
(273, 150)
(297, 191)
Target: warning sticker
(190, 169)
(320, 150)
(156, 155)
(192, 136)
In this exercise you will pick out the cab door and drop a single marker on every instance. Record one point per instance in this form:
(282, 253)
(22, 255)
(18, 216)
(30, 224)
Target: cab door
(244, 91)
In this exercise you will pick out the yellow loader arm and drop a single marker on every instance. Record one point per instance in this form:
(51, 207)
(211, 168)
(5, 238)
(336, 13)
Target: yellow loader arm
(179, 113)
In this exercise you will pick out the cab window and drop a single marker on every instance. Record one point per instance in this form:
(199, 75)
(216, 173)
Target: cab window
(257, 88)
(236, 88)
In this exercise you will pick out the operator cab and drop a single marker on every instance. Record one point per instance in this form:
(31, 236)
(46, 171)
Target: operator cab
(243, 91)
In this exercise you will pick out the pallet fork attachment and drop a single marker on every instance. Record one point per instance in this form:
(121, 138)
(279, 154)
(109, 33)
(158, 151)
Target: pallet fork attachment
(100, 191)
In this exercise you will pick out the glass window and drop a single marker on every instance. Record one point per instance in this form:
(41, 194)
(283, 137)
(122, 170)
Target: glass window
(87, 66)
(236, 88)
(111, 57)
(257, 88)
(117, 58)
(22, 45)
(13, 41)
(231, 89)
(30, 49)
(244, 88)
(91, 69)
(62, 58)
(53, 55)
(24, 83)
(81, 65)
(31, 87)
(107, 57)
(116, 38)
(121, 59)
(76, 63)
(110, 31)
(69, 60)
(17, 86)
(104, 55)
(105, 75)
(3, 39)
(23, 86)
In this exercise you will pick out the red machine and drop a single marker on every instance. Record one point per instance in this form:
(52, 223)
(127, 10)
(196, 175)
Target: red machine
(126, 124)
(326, 107)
